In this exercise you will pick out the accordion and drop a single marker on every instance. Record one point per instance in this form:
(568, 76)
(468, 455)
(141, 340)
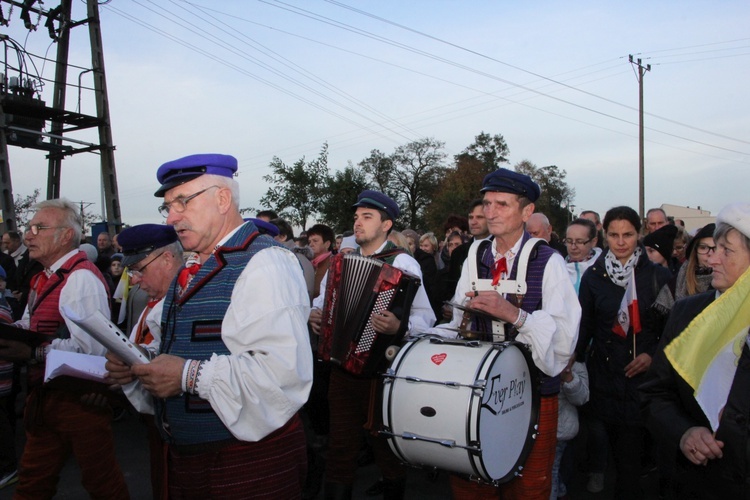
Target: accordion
(357, 289)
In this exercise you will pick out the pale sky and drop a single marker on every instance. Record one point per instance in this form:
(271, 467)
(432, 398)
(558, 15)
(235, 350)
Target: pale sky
(258, 79)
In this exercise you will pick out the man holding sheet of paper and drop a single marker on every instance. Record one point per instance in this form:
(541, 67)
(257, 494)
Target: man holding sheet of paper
(58, 423)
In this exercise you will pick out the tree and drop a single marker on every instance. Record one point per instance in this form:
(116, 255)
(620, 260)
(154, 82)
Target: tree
(24, 208)
(556, 195)
(297, 191)
(461, 184)
(491, 150)
(455, 192)
(340, 194)
(380, 172)
(418, 168)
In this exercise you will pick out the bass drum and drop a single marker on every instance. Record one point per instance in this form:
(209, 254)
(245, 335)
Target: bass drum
(468, 407)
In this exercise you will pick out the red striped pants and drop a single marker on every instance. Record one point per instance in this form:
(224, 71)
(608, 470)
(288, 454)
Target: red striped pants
(536, 481)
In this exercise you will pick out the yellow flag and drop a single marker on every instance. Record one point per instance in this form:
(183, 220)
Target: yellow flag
(706, 353)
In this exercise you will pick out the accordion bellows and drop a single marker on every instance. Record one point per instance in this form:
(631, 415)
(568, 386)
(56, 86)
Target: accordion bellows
(358, 288)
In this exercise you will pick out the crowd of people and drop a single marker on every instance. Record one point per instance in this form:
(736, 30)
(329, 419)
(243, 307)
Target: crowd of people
(240, 398)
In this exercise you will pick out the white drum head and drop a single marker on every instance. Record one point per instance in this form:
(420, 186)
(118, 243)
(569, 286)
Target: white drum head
(508, 415)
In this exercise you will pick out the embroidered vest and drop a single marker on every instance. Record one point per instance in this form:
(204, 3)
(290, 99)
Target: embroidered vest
(530, 302)
(44, 305)
(191, 328)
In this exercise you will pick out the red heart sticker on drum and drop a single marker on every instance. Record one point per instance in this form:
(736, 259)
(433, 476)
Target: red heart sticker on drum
(439, 358)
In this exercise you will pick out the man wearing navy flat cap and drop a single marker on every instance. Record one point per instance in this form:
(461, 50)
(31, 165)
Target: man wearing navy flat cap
(350, 396)
(234, 366)
(152, 256)
(546, 317)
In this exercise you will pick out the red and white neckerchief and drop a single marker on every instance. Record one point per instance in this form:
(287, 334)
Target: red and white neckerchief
(500, 269)
(192, 265)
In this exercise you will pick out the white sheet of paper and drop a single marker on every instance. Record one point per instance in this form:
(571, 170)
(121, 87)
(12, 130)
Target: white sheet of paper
(74, 364)
(107, 334)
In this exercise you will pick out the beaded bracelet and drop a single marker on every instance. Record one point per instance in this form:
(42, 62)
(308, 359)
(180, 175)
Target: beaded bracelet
(521, 320)
(191, 376)
(40, 353)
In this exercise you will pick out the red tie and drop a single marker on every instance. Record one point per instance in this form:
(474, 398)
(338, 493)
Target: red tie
(501, 266)
(186, 275)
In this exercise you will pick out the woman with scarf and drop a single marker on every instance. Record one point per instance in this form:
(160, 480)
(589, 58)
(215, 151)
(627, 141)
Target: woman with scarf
(617, 337)
(581, 241)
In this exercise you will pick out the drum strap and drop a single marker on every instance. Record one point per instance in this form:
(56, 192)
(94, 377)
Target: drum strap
(514, 288)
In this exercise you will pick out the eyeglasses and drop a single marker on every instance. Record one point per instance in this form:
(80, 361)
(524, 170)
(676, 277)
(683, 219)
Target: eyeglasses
(139, 273)
(179, 204)
(704, 249)
(578, 243)
(35, 228)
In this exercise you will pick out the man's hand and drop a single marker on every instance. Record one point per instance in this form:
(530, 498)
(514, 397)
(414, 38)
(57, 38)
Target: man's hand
(315, 320)
(699, 445)
(162, 377)
(447, 311)
(119, 373)
(12, 350)
(493, 303)
(386, 323)
(640, 364)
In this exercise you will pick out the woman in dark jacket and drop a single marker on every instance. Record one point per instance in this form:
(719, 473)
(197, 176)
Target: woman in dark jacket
(616, 361)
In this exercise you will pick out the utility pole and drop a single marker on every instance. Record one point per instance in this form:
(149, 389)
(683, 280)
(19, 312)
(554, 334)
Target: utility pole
(641, 169)
(24, 115)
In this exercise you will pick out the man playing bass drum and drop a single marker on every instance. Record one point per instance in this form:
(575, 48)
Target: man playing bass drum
(546, 318)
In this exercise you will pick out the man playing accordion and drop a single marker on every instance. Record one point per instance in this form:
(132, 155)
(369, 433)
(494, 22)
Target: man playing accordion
(355, 399)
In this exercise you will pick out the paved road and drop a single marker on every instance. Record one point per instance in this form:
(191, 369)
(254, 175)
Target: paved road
(133, 457)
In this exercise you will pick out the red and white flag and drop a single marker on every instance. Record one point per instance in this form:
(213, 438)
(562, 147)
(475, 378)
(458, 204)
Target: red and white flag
(628, 314)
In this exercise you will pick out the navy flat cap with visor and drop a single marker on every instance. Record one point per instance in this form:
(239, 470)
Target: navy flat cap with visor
(264, 227)
(376, 199)
(182, 170)
(139, 241)
(503, 180)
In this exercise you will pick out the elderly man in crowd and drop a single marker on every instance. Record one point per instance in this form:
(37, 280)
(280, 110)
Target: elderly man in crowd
(153, 256)
(57, 421)
(711, 440)
(655, 218)
(546, 318)
(234, 366)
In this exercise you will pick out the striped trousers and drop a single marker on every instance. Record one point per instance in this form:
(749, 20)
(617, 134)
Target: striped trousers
(536, 481)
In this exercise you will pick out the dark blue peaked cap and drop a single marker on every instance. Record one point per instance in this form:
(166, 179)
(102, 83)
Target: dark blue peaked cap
(176, 172)
(503, 180)
(139, 241)
(264, 227)
(376, 199)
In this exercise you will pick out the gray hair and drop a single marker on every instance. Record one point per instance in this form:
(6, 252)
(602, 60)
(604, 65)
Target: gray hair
(71, 216)
(175, 248)
(225, 182)
(722, 230)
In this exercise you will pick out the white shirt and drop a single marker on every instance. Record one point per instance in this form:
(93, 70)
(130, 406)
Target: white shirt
(83, 293)
(421, 315)
(267, 376)
(552, 331)
(141, 399)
